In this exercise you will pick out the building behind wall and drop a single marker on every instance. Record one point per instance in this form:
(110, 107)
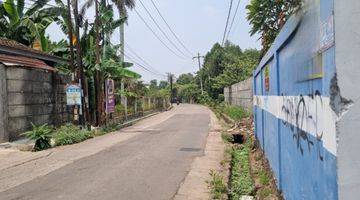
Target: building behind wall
(305, 102)
(30, 90)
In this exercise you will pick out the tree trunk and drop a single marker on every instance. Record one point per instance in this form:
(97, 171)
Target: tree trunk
(85, 107)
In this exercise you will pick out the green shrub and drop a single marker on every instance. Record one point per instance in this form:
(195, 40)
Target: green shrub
(110, 128)
(241, 180)
(226, 137)
(70, 134)
(235, 112)
(217, 186)
(264, 177)
(41, 135)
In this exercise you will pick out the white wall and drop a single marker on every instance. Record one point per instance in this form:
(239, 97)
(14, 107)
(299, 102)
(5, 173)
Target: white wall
(347, 38)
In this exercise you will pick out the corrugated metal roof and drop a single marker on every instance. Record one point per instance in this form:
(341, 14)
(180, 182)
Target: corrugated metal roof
(9, 60)
(12, 47)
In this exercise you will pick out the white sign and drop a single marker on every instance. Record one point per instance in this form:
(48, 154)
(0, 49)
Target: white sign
(73, 95)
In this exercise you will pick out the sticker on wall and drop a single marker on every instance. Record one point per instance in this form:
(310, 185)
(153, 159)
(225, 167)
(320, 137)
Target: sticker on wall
(267, 78)
(327, 36)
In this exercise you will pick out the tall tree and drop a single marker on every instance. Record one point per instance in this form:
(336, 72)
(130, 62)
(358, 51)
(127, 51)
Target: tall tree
(185, 79)
(26, 26)
(123, 6)
(267, 18)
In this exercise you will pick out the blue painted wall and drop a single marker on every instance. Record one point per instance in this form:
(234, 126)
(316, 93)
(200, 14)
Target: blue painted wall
(303, 167)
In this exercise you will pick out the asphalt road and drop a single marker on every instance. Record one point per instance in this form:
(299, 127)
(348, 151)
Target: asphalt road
(151, 165)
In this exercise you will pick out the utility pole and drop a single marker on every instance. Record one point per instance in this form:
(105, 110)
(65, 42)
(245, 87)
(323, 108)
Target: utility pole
(98, 84)
(198, 57)
(122, 56)
(171, 80)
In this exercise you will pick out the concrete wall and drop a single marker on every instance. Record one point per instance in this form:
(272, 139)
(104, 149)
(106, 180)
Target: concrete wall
(34, 96)
(347, 36)
(296, 115)
(240, 94)
(3, 105)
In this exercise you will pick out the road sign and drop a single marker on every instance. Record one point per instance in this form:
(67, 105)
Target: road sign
(110, 96)
(73, 95)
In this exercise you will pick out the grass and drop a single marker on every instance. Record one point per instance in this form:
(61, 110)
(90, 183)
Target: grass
(264, 192)
(217, 186)
(227, 138)
(235, 112)
(241, 181)
(70, 134)
(264, 177)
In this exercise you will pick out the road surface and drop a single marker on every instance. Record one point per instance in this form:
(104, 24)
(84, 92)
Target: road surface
(150, 165)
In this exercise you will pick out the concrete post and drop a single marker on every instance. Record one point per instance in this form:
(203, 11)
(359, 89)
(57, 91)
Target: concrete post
(4, 136)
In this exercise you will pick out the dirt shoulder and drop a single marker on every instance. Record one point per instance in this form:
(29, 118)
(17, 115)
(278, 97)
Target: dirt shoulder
(195, 185)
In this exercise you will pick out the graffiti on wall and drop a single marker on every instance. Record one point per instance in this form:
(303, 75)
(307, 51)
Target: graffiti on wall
(298, 112)
(308, 116)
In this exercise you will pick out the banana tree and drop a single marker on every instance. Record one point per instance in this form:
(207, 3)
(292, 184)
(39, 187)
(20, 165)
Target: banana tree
(27, 25)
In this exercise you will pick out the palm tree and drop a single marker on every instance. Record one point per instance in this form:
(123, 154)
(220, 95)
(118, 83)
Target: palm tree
(122, 6)
(26, 26)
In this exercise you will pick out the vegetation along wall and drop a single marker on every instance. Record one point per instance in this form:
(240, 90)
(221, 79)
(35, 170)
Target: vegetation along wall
(301, 100)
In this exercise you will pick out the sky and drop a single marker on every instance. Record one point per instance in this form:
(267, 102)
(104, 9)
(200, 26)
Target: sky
(199, 24)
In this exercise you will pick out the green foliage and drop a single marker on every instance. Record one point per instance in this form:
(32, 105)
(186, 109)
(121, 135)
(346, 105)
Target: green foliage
(110, 128)
(26, 26)
(264, 177)
(217, 186)
(235, 112)
(268, 17)
(226, 137)
(224, 66)
(41, 135)
(163, 84)
(70, 134)
(241, 180)
(185, 79)
(188, 92)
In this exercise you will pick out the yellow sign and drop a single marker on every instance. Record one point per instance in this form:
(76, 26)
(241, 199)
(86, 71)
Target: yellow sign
(74, 40)
(37, 45)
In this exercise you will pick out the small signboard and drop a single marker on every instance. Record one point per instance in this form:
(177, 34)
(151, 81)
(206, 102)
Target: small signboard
(110, 96)
(327, 35)
(73, 95)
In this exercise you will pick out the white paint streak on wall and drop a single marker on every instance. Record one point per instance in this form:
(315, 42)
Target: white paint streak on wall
(310, 114)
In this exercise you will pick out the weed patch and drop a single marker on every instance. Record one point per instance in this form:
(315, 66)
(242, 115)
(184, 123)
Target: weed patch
(217, 186)
(241, 182)
(41, 135)
(70, 134)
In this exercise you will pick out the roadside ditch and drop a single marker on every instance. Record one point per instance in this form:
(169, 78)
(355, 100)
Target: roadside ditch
(247, 175)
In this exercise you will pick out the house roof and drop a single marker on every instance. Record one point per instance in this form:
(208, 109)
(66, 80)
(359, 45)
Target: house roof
(11, 60)
(14, 48)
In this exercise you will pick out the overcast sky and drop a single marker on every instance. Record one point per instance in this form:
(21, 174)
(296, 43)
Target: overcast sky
(198, 23)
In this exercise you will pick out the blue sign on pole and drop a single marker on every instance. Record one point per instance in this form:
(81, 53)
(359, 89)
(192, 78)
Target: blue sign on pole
(73, 95)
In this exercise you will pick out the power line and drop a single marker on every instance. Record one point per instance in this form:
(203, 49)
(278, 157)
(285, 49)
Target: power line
(139, 57)
(227, 22)
(161, 30)
(171, 30)
(233, 19)
(153, 32)
(140, 65)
